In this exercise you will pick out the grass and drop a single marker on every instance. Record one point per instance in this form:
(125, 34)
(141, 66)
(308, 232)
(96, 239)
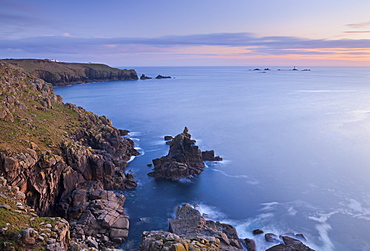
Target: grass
(15, 222)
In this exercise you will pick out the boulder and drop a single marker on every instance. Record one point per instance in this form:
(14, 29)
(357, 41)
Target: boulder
(270, 237)
(257, 231)
(294, 247)
(249, 244)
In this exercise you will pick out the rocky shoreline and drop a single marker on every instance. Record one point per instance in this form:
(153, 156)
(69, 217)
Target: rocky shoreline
(64, 169)
(61, 73)
(60, 165)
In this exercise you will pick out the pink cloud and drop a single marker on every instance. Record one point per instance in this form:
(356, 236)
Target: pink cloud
(359, 25)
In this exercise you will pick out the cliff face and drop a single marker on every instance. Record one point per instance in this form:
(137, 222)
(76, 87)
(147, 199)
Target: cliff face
(49, 149)
(59, 73)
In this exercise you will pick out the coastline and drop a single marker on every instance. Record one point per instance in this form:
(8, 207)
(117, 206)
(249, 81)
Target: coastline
(234, 177)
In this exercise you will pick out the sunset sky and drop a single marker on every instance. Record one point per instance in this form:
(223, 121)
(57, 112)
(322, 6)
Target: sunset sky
(188, 32)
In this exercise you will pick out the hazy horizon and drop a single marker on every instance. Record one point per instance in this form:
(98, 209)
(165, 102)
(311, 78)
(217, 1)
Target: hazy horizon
(199, 33)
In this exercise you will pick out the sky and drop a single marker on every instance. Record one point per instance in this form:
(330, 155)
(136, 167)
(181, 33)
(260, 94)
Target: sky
(188, 32)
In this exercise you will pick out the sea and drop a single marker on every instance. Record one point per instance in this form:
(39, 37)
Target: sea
(295, 146)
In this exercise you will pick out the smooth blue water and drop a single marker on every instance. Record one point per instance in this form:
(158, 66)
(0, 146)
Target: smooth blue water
(296, 148)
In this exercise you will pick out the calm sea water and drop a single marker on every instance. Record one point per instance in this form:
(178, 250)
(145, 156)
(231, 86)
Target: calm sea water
(295, 144)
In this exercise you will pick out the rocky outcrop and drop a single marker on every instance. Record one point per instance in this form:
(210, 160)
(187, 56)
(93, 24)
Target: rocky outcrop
(59, 73)
(161, 77)
(49, 149)
(191, 231)
(183, 160)
(143, 77)
(97, 215)
(284, 242)
(23, 229)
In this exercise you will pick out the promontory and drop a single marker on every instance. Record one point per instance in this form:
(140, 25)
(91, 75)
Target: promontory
(61, 73)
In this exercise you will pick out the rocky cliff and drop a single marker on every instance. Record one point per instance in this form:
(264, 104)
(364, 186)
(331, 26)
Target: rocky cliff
(52, 151)
(59, 73)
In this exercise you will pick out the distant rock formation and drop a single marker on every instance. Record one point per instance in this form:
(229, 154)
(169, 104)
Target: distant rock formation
(183, 160)
(143, 77)
(160, 77)
(191, 231)
(60, 73)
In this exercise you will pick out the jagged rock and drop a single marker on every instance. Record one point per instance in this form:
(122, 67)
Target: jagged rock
(183, 160)
(143, 77)
(163, 240)
(210, 156)
(190, 224)
(294, 247)
(161, 77)
(167, 138)
(68, 177)
(186, 211)
(249, 244)
(290, 241)
(270, 237)
(123, 132)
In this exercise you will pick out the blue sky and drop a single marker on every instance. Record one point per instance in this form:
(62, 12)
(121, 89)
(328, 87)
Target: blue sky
(203, 32)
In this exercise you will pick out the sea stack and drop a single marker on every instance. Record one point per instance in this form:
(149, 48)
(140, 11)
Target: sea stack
(184, 159)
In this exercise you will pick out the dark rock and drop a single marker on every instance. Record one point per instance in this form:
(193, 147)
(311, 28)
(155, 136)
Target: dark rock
(289, 240)
(186, 211)
(190, 224)
(257, 231)
(294, 247)
(210, 156)
(249, 244)
(167, 138)
(270, 237)
(143, 77)
(183, 160)
(161, 77)
(123, 132)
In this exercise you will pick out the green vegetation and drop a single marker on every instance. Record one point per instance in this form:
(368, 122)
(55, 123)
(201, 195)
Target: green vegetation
(47, 127)
(59, 73)
(18, 217)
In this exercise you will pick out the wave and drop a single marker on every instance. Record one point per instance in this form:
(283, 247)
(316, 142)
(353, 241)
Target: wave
(249, 180)
(326, 91)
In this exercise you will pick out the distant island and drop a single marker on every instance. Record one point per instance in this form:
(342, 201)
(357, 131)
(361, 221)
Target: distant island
(61, 73)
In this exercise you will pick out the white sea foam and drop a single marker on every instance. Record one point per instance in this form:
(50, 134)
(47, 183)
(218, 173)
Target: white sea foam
(356, 209)
(326, 91)
(185, 180)
(209, 212)
(323, 230)
(269, 206)
(249, 180)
